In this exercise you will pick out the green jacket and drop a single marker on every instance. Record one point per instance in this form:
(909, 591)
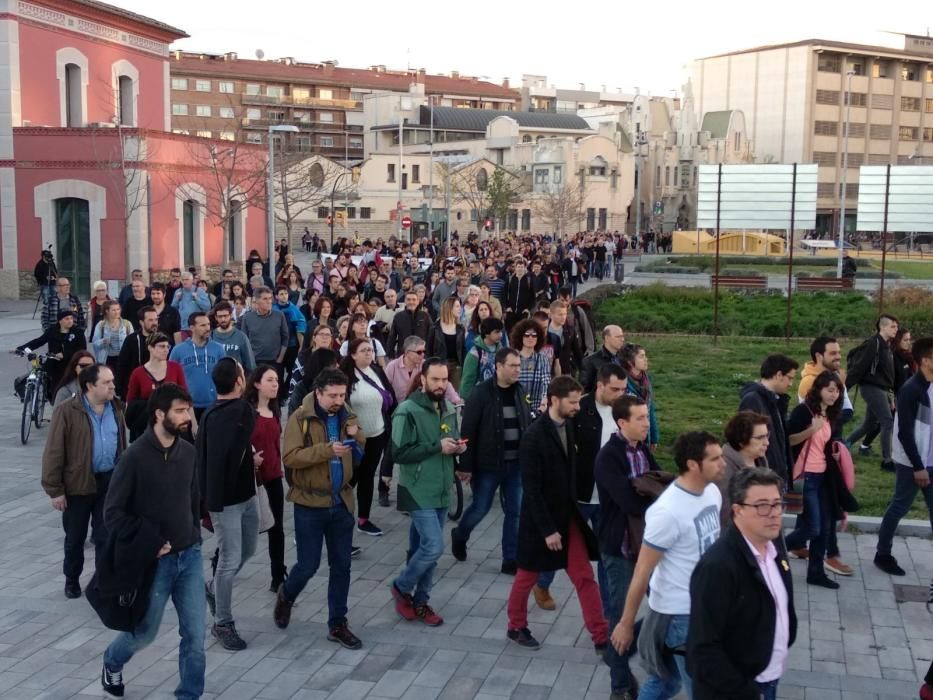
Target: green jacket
(425, 473)
(478, 366)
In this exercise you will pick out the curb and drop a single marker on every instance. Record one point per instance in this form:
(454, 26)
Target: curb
(869, 524)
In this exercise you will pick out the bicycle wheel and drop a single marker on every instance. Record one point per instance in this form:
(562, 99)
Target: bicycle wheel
(26, 424)
(39, 413)
(455, 509)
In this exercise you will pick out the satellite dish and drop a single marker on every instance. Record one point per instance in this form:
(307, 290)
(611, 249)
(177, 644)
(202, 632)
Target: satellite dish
(260, 54)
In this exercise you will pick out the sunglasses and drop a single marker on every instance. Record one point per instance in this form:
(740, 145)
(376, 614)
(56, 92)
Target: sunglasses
(417, 352)
(530, 334)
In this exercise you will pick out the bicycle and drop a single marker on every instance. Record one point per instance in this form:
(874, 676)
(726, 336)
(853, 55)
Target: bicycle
(34, 394)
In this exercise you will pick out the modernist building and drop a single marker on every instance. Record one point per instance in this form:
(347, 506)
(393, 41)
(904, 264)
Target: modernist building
(88, 163)
(793, 97)
(226, 96)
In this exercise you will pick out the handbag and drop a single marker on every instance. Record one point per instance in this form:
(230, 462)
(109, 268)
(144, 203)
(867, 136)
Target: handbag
(264, 509)
(793, 499)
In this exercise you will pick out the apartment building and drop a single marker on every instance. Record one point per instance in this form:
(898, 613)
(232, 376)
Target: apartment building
(540, 96)
(234, 98)
(797, 99)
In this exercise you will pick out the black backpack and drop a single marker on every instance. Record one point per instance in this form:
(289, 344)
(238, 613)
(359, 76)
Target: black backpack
(862, 360)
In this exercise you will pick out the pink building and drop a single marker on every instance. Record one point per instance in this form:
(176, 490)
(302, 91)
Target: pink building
(88, 162)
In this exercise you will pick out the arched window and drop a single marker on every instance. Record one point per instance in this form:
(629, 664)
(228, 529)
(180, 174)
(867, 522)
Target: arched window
(73, 95)
(599, 167)
(482, 180)
(71, 70)
(234, 230)
(189, 219)
(316, 175)
(127, 112)
(526, 138)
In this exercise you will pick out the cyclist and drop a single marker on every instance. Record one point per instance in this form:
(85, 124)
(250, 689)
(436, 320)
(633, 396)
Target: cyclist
(63, 341)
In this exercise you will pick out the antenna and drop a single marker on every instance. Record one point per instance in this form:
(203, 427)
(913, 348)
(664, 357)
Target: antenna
(260, 54)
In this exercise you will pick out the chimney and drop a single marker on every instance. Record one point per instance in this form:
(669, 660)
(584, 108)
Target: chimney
(378, 69)
(505, 83)
(287, 60)
(455, 74)
(230, 56)
(419, 76)
(329, 67)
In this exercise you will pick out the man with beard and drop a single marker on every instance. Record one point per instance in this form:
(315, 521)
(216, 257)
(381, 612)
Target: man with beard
(156, 485)
(135, 351)
(235, 342)
(169, 318)
(412, 320)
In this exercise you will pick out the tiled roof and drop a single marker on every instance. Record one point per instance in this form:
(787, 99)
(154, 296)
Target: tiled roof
(126, 14)
(478, 119)
(323, 74)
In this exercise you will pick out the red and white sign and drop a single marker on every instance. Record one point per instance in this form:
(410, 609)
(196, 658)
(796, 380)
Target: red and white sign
(406, 222)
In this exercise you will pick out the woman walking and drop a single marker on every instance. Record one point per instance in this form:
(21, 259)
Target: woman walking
(447, 338)
(67, 387)
(109, 334)
(635, 363)
(536, 373)
(261, 393)
(144, 380)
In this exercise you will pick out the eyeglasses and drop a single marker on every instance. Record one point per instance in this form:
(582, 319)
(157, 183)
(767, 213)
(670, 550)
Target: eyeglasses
(766, 509)
(417, 352)
(766, 436)
(530, 334)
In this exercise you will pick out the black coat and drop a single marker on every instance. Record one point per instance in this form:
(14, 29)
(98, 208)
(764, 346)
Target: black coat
(569, 354)
(223, 456)
(591, 365)
(482, 426)
(549, 502)
(404, 324)
(732, 618)
(588, 431)
(519, 294)
(756, 397)
(436, 345)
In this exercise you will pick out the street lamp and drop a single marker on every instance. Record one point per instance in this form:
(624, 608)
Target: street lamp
(274, 128)
(845, 175)
(640, 140)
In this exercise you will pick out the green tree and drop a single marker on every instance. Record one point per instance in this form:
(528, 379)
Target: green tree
(501, 192)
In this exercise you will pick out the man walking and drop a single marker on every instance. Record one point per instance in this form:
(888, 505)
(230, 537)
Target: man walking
(446, 287)
(563, 339)
(519, 295)
(742, 619)
(136, 300)
(189, 298)
(613, 342)
(552, 533)
(156, 484)
(871, 369)
(424, 441)
(319, 467)
(494, 419)
(135, 352)
(63, 300)
(768, 396)
(234, 341)
(266, 329)
(198, 356)
(169, 319)
(297, 327)
(912, 453)
(86, 438)
(226, 466)
(679, 527)
(411, 320)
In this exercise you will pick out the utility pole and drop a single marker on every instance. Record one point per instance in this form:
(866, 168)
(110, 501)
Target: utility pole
(845, 175)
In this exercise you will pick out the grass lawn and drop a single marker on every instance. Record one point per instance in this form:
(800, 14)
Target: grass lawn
(907, 269)
(697, 388)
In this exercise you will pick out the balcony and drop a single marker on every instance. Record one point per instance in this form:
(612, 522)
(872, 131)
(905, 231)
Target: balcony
(301, 102)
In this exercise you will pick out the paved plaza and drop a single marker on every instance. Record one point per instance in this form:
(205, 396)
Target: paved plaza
(857, 643)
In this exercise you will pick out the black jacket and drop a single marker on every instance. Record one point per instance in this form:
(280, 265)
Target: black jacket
(617, 497)
(755, 397)
(223, 455)
(482, 426)
(549, 501)
(541, 286)
(732, 619)
(873, 364)
(436, 345)
(591, 365)
(404, 324)
(567, 349)
(519, 294)
(134, 353)
(588, 432)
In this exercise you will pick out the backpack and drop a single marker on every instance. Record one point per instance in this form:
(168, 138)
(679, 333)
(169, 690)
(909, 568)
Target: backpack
(862, 360)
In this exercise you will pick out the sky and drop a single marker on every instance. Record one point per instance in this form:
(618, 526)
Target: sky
(618, 44)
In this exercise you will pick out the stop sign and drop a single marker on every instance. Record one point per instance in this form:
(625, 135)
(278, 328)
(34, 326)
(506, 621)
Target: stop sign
(406, 222)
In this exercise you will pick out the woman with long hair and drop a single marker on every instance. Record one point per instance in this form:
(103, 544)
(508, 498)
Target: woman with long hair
(262, 390)
(370, 397)
(295, 287)
(809, 431)
(447, 338)
(635, 364)
(155, 372)
(359, 328)
(109, 334)
(470, 302)
(343, 331)
(67, 386)
(528, 338)
(747, 435)
(481, 311)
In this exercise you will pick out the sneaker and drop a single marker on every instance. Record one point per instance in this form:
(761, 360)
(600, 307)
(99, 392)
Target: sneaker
(888, 467)
(802, 553)
(601, 649)
(823, 581)
(343, 636)
(367, 528)
(888, 565)
(864, 450)
(228, 637)
(523, 638)
(404, 605)
(424, 613)
(383, 499)
(211, 600)
(355, 551)
(509, 567)
(282, 613)
(112, 682)
(458, 546)
(543, 598)
(836, 566)
(72, 590)
(627, 694)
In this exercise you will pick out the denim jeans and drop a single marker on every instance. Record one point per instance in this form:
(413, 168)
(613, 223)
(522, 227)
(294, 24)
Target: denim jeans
(666, 688)
(484, 484)
(179, 576)
(816, 525)
(426, 544)
(905, 491)
(877, 413)
(590, 513)
(768, 690)
(236, 528)
(619, 572)
(314, 527)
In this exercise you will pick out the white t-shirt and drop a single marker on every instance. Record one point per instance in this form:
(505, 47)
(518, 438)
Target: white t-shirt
(681, 525)
(609, 429)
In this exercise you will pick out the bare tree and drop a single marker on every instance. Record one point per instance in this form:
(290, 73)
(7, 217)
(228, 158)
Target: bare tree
(304, 183)
(561, 205)
(485, 188)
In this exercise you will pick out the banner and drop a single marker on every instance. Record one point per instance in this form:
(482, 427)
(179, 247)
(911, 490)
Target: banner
(756, 196)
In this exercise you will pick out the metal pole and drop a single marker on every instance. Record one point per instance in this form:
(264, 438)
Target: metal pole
(884, 237)
(638, 171)
(845, 176)
(431, 170)
(716, 265)
(447, 197)
(790, 253)
(398, 213)
(271, 221)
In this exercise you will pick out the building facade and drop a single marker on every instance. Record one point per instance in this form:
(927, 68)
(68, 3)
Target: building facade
(798, 98)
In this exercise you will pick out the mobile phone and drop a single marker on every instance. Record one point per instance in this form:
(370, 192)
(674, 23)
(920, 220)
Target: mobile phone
(349, 442)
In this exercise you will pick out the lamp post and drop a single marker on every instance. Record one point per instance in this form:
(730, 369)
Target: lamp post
(640, 140)
(845, 175)
(270, 199)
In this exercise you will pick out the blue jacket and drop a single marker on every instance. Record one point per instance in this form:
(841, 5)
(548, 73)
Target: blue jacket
(188, 302)
(198, 364)
(296, 322)
(912, 432)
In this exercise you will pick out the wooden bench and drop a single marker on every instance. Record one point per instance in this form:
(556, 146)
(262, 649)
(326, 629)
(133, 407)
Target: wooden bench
(807, 284)
(735, 282)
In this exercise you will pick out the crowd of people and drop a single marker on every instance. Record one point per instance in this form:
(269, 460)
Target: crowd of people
(373, 370)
